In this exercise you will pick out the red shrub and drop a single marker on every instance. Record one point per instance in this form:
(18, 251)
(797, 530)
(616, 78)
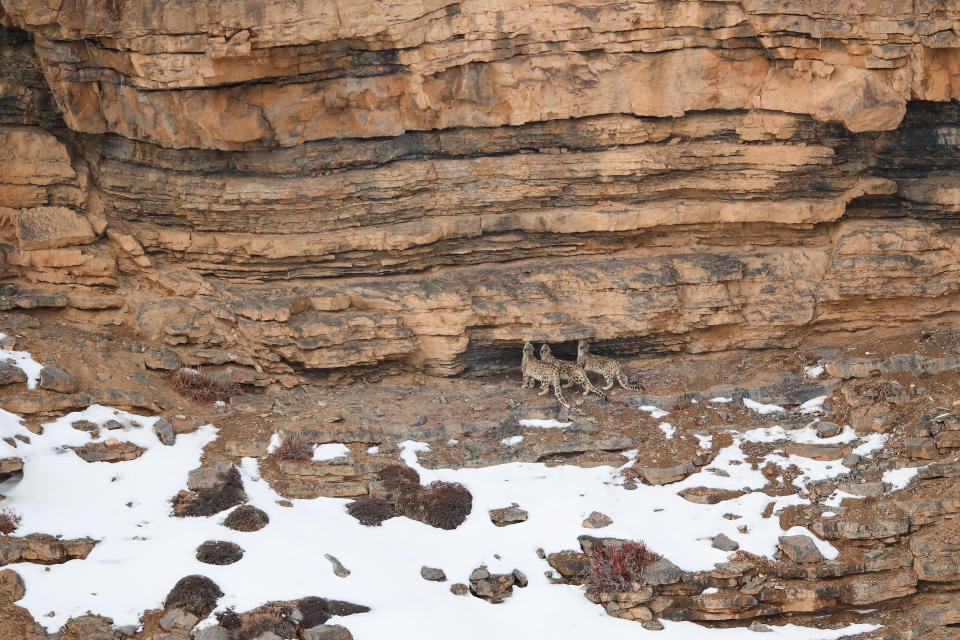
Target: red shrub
(446, 505)
(9, 521)
(682, 404)
(614, 566)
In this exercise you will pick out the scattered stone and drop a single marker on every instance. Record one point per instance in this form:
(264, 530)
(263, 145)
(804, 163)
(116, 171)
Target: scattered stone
(758, 627)
(597, 520)
(521, 578)
(828, 429)
(851, 460)
(433, 575)
(459, 589)
(85, 425)
(56, 379)
(800, 549)
(338, 568)
(652, 625)
(494, 588)
(11, 374)
(722, 542)
(662, 571)
(508, 515)
(112, 425)
(326, 632)
(164, 430)
(178, 619)
(11, 586)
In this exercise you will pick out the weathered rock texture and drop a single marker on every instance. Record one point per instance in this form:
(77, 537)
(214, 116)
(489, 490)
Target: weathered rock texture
(319, 185)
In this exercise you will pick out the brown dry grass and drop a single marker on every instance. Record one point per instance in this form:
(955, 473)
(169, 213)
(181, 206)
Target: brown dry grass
(202, 387)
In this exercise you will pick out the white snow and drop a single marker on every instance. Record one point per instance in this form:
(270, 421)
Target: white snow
(329, 451)
(814, 371)
(721, 400)
(668, 430)
(813, 405)
(512, 441)
(655, 412)
(761, 408)
(705, 442)
(143, 550)
(544, 424)
(900, 478)
(24, 361)
(709, 591)
(373, 450)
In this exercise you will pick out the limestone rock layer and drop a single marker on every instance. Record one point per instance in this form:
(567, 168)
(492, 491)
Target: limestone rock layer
(319, 185)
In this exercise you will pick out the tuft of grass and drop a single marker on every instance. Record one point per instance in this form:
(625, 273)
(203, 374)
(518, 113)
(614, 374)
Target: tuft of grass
(202, 387)
(246, 518)
(616, 565)
(196, 594)
(295, 447)
(219, 552)
(371, 511)
(315, 611)
(9, 521)
(446, 505)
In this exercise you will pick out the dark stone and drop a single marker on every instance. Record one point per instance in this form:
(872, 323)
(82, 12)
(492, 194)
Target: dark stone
(56, 379)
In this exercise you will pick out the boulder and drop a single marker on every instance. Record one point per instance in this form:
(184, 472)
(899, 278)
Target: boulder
(597, 520)
(433, 575)
(722, 542)
(164, 430)
(800, 549)
(508, 515)
(11, 374)
(662, 571)
(11, 586)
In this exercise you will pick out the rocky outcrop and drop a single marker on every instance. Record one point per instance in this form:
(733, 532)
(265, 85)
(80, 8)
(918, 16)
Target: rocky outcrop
(340, 186)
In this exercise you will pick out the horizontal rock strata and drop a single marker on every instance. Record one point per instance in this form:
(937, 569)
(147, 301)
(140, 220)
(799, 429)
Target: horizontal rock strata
(338, 186)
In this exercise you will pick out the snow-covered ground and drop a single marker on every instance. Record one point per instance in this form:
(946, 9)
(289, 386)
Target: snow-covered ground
(144, 550)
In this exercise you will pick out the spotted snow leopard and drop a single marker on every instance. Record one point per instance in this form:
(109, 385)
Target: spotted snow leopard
(570, 371)
(609, 368)
(535, 371)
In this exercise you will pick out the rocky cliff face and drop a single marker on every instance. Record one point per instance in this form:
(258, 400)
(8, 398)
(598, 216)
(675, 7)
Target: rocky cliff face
(316, 185)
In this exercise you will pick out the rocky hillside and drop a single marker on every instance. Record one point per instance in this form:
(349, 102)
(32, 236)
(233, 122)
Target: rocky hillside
(283, 187)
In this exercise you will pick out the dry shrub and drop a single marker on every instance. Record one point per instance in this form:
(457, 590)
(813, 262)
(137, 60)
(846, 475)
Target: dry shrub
(614, 566)
(446, 505)
(681, 405)
(315, 611)
(371, 511)
(246, 518)
(396, 476)
(202, 387)
(219, 552)
(9, 521)
(295, 446)
(229, 620)
(196, 594)
(206, 502)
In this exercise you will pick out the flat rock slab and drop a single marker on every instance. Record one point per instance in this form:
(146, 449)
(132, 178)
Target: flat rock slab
(56, 379)
(705, 495)
(665, 475)
(43, 549)
(51, 228)
(109, 451)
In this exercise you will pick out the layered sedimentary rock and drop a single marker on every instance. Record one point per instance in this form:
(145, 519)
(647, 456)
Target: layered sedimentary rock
(325, 185)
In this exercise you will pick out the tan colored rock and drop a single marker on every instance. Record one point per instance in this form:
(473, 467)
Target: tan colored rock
(49, 227)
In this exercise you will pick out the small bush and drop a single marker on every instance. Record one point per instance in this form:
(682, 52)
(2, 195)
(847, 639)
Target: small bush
(295, 447)
(203, 387)
(398, 475)
(370, 511)
(614, 566)
(207, 502)
(315, 611)
(9, 521)
(219, 552)
(681, 405)
(196, 594)
(446, 505)
(246, 518)
(229, 620)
